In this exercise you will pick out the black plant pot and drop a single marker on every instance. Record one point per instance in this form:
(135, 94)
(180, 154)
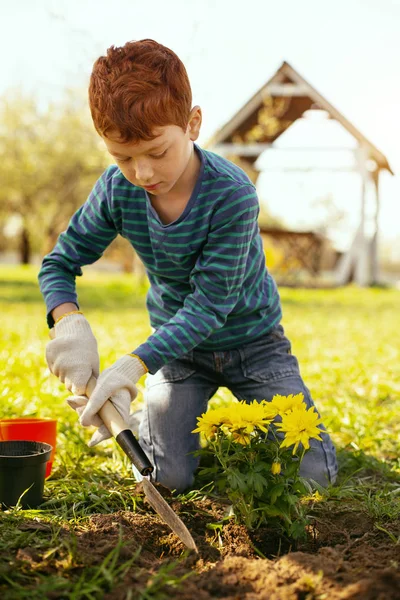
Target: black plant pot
(23, 467)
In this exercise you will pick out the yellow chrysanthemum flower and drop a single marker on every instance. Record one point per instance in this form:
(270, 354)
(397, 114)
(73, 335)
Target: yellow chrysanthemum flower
(270, 410)
(239, 419)
(276, 468)
(239, 424)
(241, 431)
(284, 404)
(254, 414)
(209, 422)
(241, 436)
(299, 426)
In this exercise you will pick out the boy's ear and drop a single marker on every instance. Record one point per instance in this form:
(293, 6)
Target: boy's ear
(194, 124)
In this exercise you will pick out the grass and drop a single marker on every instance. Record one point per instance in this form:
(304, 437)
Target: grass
(346, 341)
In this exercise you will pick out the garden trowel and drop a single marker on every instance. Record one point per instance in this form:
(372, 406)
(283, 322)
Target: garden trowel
(129, 444)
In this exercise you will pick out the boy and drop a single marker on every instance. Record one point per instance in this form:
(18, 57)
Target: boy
(192, 218)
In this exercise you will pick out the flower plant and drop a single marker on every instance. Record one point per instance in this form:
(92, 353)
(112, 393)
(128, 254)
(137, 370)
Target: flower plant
(258, 448)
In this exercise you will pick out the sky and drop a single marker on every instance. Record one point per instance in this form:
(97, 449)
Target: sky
(349, 50)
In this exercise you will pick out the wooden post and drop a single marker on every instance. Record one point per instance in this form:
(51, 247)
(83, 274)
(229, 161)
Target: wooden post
(375, 238)
(355, 263)
(362, 274)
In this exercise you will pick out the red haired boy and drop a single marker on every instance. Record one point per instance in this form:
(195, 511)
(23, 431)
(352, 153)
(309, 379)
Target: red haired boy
(191, 216)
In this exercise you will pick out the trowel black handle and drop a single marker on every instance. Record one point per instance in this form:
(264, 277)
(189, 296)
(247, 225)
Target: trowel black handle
(133, 450)
(124, 436)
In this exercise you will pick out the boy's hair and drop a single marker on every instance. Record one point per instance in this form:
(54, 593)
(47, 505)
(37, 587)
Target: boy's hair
(137, 87)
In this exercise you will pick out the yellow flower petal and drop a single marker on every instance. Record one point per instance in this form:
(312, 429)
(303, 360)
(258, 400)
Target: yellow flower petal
(241, 437)
(252, 414)
(276, 468)
(299, 426)
(284, 404)
(209, 422)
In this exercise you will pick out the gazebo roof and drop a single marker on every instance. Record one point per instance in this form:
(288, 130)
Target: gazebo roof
(273, 109)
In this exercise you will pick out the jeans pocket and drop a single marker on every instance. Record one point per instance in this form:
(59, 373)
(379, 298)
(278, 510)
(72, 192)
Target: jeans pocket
(269, 358)
(177, 370)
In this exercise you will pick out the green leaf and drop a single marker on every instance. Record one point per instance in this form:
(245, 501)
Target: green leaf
(221, 484)
(236, 481)
(292, 499)
(297, 529)
(302, 487)
(273, 511)
(260, 484)
(276, 491)
(262, 466)
(291, 468)
(209, 470)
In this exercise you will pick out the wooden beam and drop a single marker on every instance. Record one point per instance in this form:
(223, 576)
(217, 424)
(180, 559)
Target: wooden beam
(313, 149)
(241, 149)
(256, 148)
(296, 86)
(253, 104)
(325, 105)
(287, 90)
(310, 169)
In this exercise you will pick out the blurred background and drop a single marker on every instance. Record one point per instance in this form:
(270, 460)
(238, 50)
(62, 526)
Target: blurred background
(304, 96)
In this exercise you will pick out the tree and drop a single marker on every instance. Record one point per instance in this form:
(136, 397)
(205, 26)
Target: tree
(49, 160)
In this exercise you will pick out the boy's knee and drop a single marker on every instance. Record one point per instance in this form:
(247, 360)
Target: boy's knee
(175, 473)
(319, 463)
(317, 472)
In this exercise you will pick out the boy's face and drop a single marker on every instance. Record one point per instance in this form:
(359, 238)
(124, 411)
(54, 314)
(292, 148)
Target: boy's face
(160, 164)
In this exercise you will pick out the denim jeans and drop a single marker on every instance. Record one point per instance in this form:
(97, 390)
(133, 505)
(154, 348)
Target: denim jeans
(179, 392)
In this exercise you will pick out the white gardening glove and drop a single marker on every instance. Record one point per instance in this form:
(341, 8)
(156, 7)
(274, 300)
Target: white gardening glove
(117, 384)
(72, 355)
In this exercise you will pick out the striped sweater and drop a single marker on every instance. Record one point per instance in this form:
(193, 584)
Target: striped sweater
(209, 286)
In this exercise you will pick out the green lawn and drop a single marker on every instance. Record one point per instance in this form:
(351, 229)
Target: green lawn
(346, 340)
(347, 343)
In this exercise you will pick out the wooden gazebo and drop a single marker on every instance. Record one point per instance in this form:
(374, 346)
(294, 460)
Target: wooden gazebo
(266, 116)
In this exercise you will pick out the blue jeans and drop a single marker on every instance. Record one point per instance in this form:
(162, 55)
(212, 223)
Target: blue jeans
(179, 392)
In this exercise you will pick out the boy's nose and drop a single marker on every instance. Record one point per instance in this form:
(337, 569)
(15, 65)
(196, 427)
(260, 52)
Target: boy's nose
(144, 173)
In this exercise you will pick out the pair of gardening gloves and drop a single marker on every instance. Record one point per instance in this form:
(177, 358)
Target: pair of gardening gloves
(72, 356)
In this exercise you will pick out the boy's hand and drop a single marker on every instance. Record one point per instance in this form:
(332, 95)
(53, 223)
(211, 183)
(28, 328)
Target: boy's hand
(72, 355)
(117, 384)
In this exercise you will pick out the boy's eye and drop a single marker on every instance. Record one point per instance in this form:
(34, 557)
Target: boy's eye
(124, 160)
(158, 155)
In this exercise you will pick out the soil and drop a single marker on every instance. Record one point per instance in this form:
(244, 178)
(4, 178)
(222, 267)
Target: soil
(344, 556)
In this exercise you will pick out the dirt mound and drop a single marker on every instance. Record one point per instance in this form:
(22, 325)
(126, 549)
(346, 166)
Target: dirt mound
(344, 557)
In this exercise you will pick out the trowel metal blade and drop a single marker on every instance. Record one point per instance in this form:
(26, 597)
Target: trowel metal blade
(167, 514)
